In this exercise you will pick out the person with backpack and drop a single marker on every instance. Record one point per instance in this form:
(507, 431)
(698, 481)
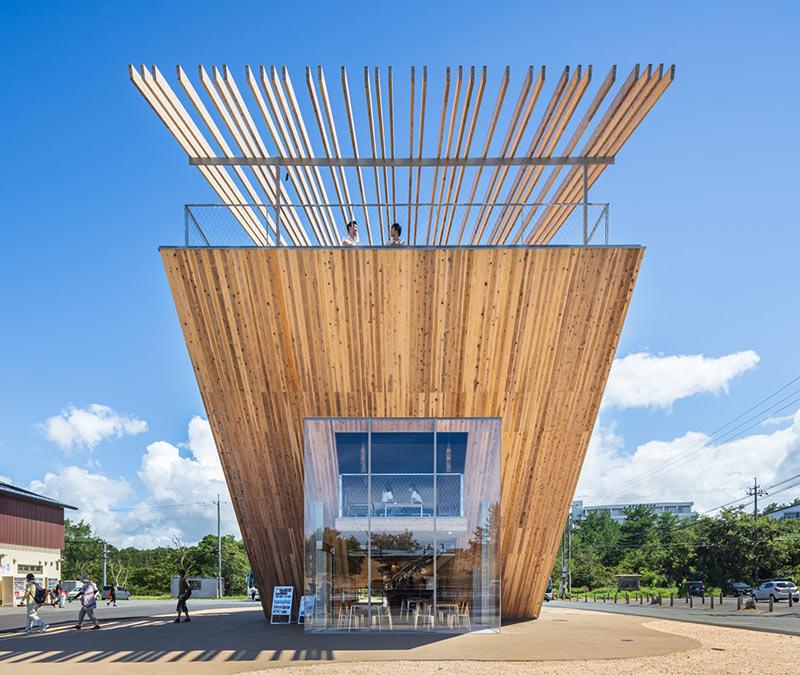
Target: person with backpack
(184, 593)
(88, 596)
(35, 596)
(55, 596)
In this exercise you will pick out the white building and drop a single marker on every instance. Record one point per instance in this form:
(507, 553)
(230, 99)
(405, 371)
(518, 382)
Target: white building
(792, 511)
(683, 510)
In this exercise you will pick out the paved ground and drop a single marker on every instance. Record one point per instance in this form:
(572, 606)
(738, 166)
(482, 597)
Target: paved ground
(13, 618)
(237, 639)
(783, 619)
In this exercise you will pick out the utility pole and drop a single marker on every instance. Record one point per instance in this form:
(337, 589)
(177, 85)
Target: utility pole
(219, 550)
(105, 560)
(755, 492)
(569, 552)
(563, 564)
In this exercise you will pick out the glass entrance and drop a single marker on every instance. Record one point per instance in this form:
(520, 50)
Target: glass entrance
(402, 524)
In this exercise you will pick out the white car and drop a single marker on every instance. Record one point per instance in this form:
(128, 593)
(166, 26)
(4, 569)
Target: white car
(777, 590)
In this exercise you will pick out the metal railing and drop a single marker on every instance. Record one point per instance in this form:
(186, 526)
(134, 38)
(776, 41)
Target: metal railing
(391, 495)
(423, 224)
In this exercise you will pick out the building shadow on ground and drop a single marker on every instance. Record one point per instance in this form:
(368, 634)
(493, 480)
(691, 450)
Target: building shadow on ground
(220, 636)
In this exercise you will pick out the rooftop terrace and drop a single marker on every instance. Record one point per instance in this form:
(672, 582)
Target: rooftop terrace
(453, 160)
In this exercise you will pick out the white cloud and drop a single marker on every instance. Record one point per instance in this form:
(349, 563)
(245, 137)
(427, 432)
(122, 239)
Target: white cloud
(718, 474)
(177, 499)
(87, 427)
(94, 494)
(644, 380)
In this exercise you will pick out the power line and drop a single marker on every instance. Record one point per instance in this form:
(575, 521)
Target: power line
(716, 437)
(147, 506)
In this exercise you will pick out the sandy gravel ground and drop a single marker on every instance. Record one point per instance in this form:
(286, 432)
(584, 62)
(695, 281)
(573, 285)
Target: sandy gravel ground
(724, 650)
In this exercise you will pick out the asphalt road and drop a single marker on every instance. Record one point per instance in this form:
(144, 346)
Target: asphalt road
(782, 619)
(13, 618)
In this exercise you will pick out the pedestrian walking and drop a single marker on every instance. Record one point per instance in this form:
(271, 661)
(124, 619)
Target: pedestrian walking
(88, 596)
(35, 596)
(55, 598)
(112, 595)
(184, 593)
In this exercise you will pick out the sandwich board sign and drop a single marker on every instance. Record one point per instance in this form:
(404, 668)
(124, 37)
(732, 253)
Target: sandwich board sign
(282, 598)
(307, 603)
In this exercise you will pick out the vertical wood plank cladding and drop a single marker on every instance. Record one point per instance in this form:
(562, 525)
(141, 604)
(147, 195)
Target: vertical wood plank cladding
(524, 334)
(27, 523)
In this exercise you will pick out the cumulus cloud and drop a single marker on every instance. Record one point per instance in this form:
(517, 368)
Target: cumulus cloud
(715, 473)
(644, 380)
(95, 495)
(87, 427)
(179, 482)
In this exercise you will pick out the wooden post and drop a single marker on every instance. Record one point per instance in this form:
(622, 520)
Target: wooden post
(720, 597)
(691, 601)
(671, 599)
(791, 602)
(595, 595)
(770, 603)
(585, 598)
(687, 596)
(605, 597)
(738, 602)
(615, 598)
(712, 602)
(627, 598)
(641, 598)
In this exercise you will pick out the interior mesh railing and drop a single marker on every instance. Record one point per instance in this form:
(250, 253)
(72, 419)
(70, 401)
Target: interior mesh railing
(464, 224)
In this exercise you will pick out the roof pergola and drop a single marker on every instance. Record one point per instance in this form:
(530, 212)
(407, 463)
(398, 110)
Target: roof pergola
(454, 162)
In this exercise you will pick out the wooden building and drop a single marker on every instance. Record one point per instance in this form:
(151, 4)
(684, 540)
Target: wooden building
(472, 312)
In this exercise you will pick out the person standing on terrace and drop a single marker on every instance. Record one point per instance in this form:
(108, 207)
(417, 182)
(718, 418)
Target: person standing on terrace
(352, 234)
(394, 235)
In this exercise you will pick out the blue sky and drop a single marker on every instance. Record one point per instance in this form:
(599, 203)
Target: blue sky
(92, 184)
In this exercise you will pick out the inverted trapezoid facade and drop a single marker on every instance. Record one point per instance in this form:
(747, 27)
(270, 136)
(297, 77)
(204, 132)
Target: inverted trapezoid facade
(525, 336)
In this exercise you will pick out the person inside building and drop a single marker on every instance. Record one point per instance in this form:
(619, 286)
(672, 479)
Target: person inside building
(352, 234)
(395, 234)
(88, 596)
(35, 596)
(184, 593)
(416, 497)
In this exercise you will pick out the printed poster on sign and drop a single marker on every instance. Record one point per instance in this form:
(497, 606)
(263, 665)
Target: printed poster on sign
(282, 597)
(306, 608)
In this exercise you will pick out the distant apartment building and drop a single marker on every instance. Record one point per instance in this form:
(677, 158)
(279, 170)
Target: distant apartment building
(31, 540)
(792, 511)
(682, 510)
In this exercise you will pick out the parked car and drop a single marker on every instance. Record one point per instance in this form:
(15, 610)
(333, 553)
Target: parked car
(737, 588)
(696, 588)
(122, 593)
(777, 589)
(548, 594)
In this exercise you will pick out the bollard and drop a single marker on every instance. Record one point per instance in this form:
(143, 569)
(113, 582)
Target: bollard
(641, 598)
(671, 599)
(585, 598)
(703, 598)
(738, 602)
(691, 601)
(712, 602)
(770, 603)
(605, 597)
(627, 598)
(791, 602)
(687, 597)
(720, 597)
(595, 596)
(615, 598)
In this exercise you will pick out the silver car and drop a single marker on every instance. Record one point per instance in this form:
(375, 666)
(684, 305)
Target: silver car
(777, 590)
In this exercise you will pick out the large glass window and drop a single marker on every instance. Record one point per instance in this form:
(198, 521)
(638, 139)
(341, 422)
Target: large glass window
(402, 524)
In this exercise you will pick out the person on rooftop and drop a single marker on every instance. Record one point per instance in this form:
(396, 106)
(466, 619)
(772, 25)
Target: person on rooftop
(352, 234)
(395, 234)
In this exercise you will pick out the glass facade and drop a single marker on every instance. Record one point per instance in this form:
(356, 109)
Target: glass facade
(402, 524)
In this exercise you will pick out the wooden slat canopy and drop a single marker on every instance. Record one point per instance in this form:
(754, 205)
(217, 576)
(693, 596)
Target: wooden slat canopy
(339, 147)
(526, 334)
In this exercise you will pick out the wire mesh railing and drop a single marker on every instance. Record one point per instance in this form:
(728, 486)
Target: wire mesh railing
(420, 224)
